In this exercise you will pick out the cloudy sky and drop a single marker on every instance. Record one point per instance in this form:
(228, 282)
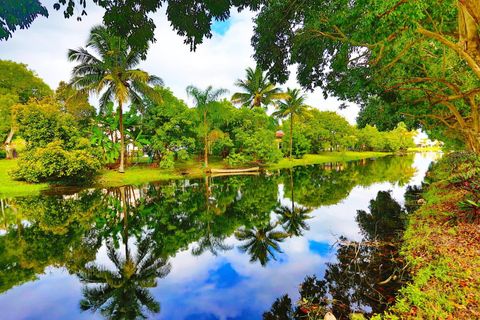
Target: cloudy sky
(218, 61)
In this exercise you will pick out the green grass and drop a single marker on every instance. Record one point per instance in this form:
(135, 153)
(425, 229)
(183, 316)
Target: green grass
(443, 255)
(139, 174)
(326, 157)
(10, 187)
(425, 149)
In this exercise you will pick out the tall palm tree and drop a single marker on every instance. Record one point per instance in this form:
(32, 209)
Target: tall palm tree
(122, 293)
(293, 105)
(257, 90)
(109, 71)
(205, 101)
(261, 243)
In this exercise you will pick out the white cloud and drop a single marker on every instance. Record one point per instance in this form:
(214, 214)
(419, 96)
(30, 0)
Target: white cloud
(218, 61)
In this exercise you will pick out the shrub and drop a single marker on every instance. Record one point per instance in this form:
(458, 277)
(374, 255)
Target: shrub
(167, 161)
(235, 159)
(3, 154)
(54, 163)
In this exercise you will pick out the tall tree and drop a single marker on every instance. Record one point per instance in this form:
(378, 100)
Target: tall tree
(421, 59)
(110, 72)
(205, 102)
(257, 90)
(76, 104)
(293, 105)
(18, 84)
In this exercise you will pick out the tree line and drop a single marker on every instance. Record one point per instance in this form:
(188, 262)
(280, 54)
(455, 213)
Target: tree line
(66, 138)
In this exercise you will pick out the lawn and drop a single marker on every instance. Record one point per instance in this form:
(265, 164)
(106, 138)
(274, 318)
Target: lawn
(327, 157)
(9, 187)
(139, 174)
(425, 149)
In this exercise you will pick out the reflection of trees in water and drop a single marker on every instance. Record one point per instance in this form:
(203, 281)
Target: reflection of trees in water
(366, 276)
(293, 218)
(67, 231)
(315, 187)
(123, 293)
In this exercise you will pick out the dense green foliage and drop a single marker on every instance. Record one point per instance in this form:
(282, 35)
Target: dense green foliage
(19, 14)
(17, 85)
(55, 149)
(132, 19)
(411, 61)
(318, 131)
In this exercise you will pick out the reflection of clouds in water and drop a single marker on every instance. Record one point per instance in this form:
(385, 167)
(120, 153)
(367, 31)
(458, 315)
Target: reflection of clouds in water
(258, 287)
(227, 286)
(255, 287)
(53, 296)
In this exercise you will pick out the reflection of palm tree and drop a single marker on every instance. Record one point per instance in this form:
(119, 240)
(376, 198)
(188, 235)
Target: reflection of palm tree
(211, 243)
(122, 294)
(261, 243)
(293, 219)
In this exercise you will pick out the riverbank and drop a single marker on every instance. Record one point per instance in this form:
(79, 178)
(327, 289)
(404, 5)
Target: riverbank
(442, 245)
(139, 174)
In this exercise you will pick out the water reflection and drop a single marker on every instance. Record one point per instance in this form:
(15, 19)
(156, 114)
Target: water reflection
(367, 274)
(122, 293)
(116, 244)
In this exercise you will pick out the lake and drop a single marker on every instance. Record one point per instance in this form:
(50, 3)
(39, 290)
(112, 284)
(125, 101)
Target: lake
(213, 248)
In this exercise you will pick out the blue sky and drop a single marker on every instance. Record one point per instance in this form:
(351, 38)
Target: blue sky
(221, 27)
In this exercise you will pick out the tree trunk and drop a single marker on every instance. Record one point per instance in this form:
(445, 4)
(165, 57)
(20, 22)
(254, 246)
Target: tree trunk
(121, 168)
(291, 135)
(206, 138)
(125, 221)
(8, 147)
(468, 17)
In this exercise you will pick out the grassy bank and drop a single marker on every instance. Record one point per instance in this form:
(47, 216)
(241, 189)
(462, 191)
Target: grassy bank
(442, 248)
(425, 149)
(9, 187)
(326, 157)
(190, 169)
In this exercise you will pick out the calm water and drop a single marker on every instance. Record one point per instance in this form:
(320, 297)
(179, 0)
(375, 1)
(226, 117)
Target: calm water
(214, 248)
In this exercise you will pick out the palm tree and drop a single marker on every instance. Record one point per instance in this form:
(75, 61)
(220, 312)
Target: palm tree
(204, 101)
(261, 243)
(123, 293)
(292, 106)
(111, 71)
(257, 90)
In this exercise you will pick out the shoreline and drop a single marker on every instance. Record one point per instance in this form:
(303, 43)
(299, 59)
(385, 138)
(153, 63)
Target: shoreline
(442, 251)
(138, 174)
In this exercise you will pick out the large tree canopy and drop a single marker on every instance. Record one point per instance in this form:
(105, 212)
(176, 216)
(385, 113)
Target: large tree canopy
(131, 19)
(17, 85)
(415, 60)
